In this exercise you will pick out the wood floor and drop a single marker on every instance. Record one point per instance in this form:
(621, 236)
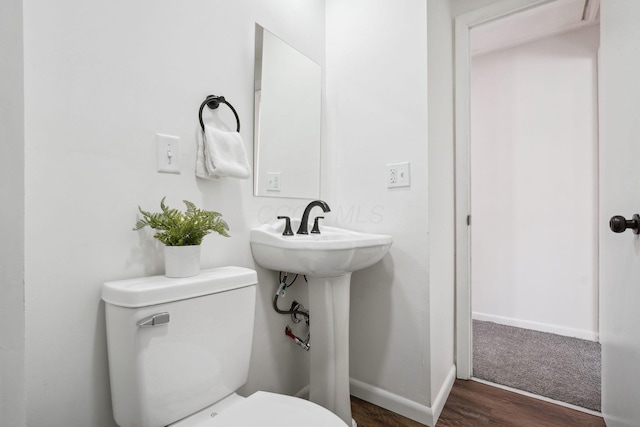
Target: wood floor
(472, 404)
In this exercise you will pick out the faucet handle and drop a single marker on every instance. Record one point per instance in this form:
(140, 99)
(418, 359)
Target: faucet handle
(316, 228)
(287, 226)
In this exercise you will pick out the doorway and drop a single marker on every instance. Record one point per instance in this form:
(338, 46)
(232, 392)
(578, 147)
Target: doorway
(527, 169)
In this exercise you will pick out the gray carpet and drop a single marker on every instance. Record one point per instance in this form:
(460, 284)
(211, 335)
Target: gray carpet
(561, 368)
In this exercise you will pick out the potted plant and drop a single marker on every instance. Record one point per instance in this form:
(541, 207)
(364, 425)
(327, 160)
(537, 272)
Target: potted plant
(182, 234)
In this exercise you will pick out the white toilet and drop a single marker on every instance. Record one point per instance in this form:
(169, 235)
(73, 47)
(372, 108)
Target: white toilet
(180, 348)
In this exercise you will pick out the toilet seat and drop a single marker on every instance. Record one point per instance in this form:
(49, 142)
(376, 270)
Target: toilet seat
(266, 409)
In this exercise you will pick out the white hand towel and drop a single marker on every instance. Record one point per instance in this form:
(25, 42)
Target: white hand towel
(201, 168)
(222, 154)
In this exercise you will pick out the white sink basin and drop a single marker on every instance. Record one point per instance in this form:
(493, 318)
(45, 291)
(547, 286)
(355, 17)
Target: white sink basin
(334, 252)
(327, 259)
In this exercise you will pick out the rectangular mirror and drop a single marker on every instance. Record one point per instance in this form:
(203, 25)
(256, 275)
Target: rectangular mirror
(288, 93)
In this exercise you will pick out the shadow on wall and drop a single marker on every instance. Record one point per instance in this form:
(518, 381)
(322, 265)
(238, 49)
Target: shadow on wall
(101, 398)
(274, 342)
(146, 253)
(371, 315)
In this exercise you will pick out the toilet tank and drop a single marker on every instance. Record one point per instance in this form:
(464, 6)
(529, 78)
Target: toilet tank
(193, 350)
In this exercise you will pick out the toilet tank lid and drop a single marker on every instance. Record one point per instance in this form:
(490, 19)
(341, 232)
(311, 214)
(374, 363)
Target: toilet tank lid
(145, 291)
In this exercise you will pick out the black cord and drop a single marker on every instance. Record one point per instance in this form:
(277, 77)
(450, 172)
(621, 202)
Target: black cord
(283, 280)
(275, 307)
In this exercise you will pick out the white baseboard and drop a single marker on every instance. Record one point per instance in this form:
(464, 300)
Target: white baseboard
(538, 326)
(443, 394)
(403, 406)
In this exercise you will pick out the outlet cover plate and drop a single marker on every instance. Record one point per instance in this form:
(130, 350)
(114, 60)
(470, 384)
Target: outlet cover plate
(398, 175)
(274, 181)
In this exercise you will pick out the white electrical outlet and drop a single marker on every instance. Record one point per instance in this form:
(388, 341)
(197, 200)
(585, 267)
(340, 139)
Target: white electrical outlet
(398, 175)
(168, 153)
(274, 180)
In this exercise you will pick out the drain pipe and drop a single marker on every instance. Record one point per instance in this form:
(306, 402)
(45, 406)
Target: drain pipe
(304, 344)
(296, 311)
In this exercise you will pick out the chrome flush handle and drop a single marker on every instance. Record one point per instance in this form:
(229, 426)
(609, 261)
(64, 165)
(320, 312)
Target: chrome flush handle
(154, 320)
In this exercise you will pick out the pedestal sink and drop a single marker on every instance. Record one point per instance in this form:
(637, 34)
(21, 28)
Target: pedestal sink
(327, 259)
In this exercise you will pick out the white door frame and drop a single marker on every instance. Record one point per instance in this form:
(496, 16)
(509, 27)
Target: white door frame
(462, 70)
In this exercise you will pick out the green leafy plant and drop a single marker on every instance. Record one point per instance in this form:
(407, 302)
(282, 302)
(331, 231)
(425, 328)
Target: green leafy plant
(176, 228)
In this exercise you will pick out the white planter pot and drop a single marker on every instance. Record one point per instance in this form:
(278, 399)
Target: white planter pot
(182, 261)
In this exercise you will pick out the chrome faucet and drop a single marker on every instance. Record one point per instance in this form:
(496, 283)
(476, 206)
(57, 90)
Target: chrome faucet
(305, 216)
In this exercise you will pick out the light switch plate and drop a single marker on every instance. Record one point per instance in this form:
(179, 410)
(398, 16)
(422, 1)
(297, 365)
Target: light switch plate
(168, 153)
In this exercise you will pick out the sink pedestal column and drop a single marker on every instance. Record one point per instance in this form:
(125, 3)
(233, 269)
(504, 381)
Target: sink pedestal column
(329, 309)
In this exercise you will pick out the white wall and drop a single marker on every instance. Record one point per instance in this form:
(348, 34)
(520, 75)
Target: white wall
(378, 106)
(12, 406)
(441, 197)
(534, 185)
(100, 80)
(377, 116)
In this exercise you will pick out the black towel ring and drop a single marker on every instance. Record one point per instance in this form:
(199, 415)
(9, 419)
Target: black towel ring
(214, 102)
